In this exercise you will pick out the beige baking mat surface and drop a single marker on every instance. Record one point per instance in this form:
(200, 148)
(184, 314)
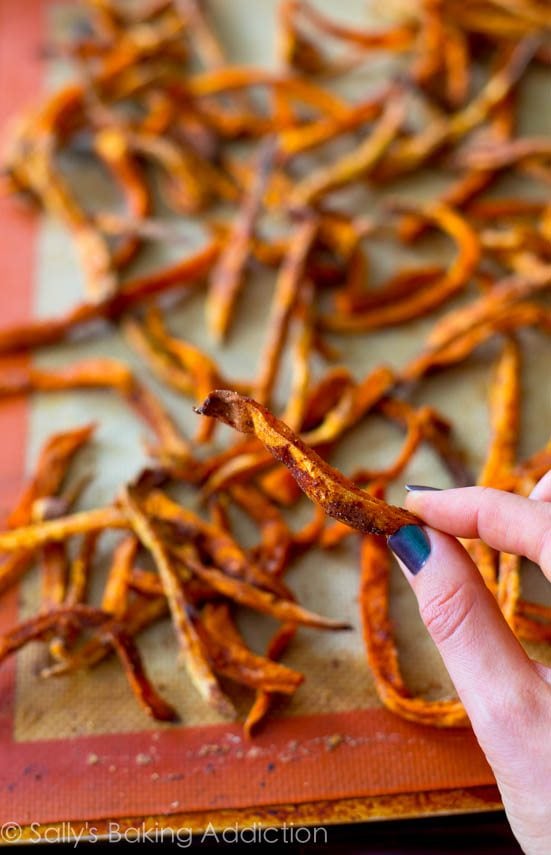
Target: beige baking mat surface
(337, 677)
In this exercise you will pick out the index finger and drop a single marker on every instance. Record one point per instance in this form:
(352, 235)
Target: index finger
(504, 521)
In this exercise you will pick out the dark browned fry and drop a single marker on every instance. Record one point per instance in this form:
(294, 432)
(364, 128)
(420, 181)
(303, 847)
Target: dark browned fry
(173, 583)
(286, 293)
(339, 497)
(381, 649)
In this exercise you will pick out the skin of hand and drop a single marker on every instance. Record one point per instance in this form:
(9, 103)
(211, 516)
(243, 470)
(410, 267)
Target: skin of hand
(507, 695)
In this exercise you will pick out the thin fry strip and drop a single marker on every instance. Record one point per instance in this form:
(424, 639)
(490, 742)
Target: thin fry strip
(191, 646)
(51, 468)
(287, 288)
(264, 699)
(33, 536)
(115, 594)
(505, 401)
(338, 496)
(358, 163)
(398, 38)
(274, 550)
(247, 595)
(111, 146)
(436, 293)
(303, 345)
(39, 626)
(504, 294)
(222, 549)
(38, 333)
(143, 689)
(506, 319)
(227, 277)
(97, 648)
(103, 373)
(297, 140)
(230, 657)
(355, 403)
(381, 650)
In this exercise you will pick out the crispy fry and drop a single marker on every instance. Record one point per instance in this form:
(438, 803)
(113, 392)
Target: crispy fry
(98, 647)
(353, 406)
(144, 691)
(191, 645)
(221, 548)
(503, 295)
(354, 165)
(264, 698)
(111, 146)
(41, 625)
(33, 536)
(426, 299)
(323, 484)
(381, 650)
(227, 276)
(273, 552)
(248, 595)
(230, 657)
(51, 469)
(38, 333)
(505, 398)
(285, 297)
(114, 600)
(103, 373)
(54, 459)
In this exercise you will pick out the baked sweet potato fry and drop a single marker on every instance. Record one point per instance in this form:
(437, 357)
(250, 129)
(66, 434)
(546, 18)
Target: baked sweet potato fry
(381, 649)
(339, 497)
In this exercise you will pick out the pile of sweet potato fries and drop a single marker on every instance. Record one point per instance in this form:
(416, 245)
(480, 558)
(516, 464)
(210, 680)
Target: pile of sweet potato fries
(156, 102)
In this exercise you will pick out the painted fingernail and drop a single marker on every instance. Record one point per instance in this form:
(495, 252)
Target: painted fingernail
(411, 488)
(411, 545)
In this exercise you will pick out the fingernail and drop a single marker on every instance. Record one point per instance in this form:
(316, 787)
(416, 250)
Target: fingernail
(411, 545)
(420, 487)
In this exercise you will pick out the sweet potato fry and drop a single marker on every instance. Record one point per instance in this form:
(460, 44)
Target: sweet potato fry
(503, 295)
(381, 650)
(41, 625)
(129, 656)
(53, 462)
(284, 300)
(190, 643)
(274, 549)
(114, 599)
(33, 536)
(38, 333)
(220, 547)
(357, 164)
(103, 373)
(228, 274)
(264, 697)
(230, 657)
(323, 484)
(247, 595)
(436, 293)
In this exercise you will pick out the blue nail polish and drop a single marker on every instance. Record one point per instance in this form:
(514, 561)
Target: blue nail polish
(412, 488)
(411, 544)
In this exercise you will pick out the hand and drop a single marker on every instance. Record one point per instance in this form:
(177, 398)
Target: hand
(507, 696)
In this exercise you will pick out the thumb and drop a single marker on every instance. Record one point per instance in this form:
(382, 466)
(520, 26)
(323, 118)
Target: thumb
(496, 681)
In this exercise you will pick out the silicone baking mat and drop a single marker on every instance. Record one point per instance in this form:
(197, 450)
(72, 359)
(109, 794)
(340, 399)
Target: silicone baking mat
(78, 748)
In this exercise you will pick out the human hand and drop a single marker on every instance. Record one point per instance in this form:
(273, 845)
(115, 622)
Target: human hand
(507, 696)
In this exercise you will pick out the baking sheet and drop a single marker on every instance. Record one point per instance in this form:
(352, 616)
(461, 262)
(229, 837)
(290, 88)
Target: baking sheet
(337, 705)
